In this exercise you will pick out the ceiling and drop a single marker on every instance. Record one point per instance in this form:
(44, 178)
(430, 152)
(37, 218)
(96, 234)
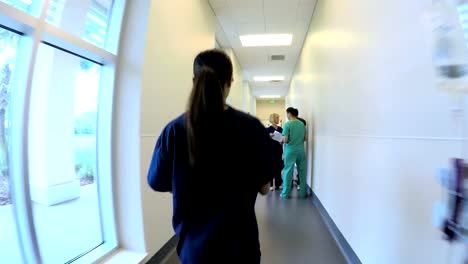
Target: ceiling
(244, 17)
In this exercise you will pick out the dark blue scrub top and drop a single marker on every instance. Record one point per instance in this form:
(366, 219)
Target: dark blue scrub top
(272, 130)
(213, 202)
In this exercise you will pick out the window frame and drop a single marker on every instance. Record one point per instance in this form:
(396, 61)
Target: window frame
(34, 30)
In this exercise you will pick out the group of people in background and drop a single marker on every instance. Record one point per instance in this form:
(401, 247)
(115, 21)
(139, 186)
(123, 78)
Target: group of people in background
(294, 135)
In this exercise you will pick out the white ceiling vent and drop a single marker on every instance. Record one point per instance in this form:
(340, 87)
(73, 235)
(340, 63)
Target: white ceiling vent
(278, 57)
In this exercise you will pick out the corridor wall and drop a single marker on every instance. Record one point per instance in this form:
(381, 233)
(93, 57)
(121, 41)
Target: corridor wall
(236, 96)
(177, 31)
(247, 101)
(366, 84)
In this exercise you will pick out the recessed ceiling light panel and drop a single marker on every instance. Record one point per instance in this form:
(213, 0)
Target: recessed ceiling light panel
(268, 78)
(266, 40)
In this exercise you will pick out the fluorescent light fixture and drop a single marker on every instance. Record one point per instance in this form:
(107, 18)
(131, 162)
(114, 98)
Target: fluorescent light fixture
(269, 96)
(268, 78)
(262, 40)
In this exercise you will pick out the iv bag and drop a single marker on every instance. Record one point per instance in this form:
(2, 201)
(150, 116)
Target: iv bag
(450, 55)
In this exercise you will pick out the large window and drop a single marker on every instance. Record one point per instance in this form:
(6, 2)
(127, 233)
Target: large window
(63, 183)
(23, 5)
(8, 56)
(57, 67)
(90, 18)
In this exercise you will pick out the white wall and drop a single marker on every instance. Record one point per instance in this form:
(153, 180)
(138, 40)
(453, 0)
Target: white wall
(253, 106)
(126, 128)
(247, 98)
(365, 83)
(240, 96)
(177, 31)
(236, 96)
(265, 109)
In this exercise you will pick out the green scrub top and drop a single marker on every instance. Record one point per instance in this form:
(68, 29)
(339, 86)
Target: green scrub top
(296, 131)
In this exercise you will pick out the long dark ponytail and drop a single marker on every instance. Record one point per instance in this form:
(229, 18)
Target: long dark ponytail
(212, 70)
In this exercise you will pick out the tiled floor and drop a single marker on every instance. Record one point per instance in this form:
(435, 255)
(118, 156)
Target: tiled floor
(291, 232)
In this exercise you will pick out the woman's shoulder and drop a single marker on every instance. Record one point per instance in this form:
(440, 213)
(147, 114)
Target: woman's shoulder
(244, 120)
(175, 124)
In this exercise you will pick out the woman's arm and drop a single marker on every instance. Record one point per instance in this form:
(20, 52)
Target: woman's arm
(159, 173)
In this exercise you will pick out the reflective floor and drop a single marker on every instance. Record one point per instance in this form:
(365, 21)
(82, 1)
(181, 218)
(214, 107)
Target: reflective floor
(291, 232)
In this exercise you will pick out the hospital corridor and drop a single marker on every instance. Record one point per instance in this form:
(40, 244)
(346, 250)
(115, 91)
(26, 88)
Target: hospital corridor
(234, 131)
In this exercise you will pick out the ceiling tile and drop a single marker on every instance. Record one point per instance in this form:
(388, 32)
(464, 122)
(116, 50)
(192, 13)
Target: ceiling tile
(308, 1)
(217, 5)
(248, 15)
(273, 3)
(280, 28)
(250, 28)
(304, 14)
(265, 16)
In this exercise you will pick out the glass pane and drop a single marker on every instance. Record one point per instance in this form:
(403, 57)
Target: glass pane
(87, 19)
(23, 5)
(9, 246)
(62, 146)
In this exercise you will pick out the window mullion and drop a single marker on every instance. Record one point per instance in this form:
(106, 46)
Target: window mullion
(36, 30)
(37, 7)
(104, 154)
(74, 44)
(23, 211)
(115, 25)
(104, 129)
(16, 19)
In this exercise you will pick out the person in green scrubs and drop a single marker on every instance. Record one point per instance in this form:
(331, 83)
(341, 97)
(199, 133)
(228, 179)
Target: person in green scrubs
(294, 133)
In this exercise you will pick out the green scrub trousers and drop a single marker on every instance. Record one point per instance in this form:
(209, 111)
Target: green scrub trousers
(294, 156)
(294, 153)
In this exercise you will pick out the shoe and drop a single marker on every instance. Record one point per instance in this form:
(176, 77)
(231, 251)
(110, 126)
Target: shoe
(298, 188)
(281, 187)
(271, 188)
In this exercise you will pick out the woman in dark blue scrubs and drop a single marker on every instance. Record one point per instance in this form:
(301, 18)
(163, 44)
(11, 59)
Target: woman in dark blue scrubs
(198, 156)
